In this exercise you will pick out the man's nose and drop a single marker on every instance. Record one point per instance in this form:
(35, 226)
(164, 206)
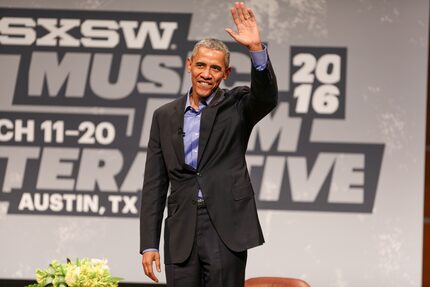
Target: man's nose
(206, 73)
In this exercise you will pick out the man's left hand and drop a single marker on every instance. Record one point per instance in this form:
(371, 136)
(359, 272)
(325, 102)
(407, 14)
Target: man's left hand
(247, 30)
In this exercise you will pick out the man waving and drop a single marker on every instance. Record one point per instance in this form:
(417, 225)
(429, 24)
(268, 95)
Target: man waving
(197, 144)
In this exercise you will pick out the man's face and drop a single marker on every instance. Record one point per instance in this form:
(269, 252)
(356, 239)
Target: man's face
(207, 70)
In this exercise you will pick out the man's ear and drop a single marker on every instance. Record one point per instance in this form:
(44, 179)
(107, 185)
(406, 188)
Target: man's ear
(227, 73)
(189, 62)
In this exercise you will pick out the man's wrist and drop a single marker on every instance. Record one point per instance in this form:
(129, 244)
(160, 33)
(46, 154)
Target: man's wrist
(255, 47)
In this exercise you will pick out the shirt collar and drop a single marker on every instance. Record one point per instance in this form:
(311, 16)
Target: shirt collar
(203, 102)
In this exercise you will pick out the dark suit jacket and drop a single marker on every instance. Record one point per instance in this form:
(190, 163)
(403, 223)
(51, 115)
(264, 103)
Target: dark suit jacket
(221, 172)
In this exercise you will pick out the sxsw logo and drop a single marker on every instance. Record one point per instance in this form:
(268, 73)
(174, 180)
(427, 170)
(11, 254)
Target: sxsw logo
(91, 33)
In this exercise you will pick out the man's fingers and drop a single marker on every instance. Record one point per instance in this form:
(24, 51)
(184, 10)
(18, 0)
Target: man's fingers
(244, 10)
(152, 276)
(231, 33)
(251, 14)
(157, 263)
(239, 10)
(149, 272)
(147, 259)
(235, 16)
(147, 266)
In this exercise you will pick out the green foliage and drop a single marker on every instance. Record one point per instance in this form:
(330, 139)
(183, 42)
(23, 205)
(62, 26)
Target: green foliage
(81, 273)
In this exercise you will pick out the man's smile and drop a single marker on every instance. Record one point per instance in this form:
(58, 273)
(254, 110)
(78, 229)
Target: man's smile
(204, 83)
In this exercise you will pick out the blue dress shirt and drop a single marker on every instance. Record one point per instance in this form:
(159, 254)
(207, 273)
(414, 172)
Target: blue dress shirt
(192, 131)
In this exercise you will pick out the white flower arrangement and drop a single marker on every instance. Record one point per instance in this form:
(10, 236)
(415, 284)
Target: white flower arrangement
(81, 273)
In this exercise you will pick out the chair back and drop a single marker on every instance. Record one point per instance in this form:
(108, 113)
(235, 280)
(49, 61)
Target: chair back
(275, 282)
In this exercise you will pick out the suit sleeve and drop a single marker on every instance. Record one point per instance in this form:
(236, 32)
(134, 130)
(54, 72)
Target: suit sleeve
(262, 97)
(154, 191)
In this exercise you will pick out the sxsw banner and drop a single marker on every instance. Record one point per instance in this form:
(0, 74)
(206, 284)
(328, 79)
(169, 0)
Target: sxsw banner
(337, 167)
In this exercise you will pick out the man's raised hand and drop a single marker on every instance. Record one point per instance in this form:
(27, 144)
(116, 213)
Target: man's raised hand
(247, 30)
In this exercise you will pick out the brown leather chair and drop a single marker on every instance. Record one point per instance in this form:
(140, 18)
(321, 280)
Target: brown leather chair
(275, 282)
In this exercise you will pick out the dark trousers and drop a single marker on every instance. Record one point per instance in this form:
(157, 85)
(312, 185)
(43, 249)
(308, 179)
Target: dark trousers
(211, 263)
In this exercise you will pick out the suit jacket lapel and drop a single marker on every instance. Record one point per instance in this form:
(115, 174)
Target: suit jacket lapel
(177, 124)
(207, 121)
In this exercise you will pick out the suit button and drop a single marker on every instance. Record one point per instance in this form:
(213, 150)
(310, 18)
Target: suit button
(199, 174)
